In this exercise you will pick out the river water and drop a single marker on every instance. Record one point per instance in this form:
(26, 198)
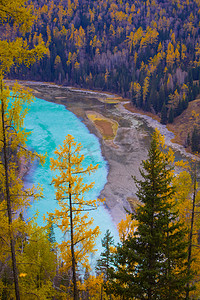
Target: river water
(49, 124)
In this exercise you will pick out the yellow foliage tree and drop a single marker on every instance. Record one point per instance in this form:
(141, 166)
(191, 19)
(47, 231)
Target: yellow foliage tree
(37, 263)
(145, 88)
(126, 227)
(72, 217)
(12, 141)
(170, 58)
(14, 198)
(187, 201)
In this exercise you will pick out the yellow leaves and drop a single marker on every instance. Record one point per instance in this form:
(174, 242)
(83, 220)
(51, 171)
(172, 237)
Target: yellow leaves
(92, 14)
(69, 58)
(18, 52)
(120, 16)
(170, 55)
(126, 227)
(195, 117)
(106, 75)
(138, 36)
(69, 185)
(183, 51)
(77, 65)
(197, 54)
(184, 189)
(137, 91)
(19, 12)
(93, 285)
(177, 55)
(150, 37)
(57, 61)
(145, 88)
(112, 31)
(22, 275)
(174, 99)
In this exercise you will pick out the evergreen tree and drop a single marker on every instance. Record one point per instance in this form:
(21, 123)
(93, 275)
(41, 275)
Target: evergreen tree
(171, 115)
(104, 263)
(195, 140)
(151, 264)
(164, 114)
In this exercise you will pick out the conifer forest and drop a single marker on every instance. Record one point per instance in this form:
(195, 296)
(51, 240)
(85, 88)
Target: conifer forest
(147, 52)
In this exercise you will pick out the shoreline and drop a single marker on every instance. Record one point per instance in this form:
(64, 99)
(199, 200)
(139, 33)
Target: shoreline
(124, 137)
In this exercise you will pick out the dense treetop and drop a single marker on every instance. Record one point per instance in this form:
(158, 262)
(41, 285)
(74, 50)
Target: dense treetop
(146, 50)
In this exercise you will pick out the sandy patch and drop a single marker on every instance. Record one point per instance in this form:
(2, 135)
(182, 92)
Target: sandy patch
(106, 127)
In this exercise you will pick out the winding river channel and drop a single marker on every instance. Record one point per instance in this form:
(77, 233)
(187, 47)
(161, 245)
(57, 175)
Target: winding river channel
(65, 112)
(49, 124)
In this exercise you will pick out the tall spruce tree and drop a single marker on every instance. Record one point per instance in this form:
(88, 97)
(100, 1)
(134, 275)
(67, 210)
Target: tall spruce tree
(105, 262)
(151, 264)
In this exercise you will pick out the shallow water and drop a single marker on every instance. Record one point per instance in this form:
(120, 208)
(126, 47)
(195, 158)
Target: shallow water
(49, 124)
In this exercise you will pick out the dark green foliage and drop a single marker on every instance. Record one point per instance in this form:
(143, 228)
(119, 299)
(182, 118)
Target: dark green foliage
(152, 263)
(171, 115)
(105, 262)
(164, 114)
(188, 141)
(51, 233)
(195, 140)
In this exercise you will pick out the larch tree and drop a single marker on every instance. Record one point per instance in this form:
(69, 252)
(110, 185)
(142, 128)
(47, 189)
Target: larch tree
(15, 52)
(152, 264)
(72, 217)
(12, 141)
(187, 197)
(36, 264)
(14, 198)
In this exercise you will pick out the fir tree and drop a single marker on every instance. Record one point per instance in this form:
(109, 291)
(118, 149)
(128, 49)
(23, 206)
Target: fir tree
(151, 264)
(104, 263)
(195, 140)
(164, 114)
(171, 115)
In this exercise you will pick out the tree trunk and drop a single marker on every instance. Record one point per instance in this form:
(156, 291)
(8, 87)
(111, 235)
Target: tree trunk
(8, 200)
(72, 250)
(191, 232)
(72, 242)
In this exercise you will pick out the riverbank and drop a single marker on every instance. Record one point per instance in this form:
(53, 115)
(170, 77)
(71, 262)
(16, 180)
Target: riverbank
(124, 136)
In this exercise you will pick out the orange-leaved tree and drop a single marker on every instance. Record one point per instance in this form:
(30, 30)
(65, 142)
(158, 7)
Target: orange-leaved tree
(73, 216)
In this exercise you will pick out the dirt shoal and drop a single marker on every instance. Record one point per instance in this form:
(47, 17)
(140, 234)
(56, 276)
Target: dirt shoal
(124, 153)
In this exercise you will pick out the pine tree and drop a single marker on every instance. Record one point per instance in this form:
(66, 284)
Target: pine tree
(151, 264)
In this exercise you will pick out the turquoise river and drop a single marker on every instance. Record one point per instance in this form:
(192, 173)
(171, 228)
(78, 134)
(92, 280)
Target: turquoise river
(49, 124)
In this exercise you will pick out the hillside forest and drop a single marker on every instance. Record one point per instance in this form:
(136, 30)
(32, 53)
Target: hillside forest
(137, 49)
(147, 51)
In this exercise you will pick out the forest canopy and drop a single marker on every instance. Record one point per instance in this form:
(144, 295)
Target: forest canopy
(146, 50)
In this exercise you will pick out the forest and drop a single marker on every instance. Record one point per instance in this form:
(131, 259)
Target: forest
(135, 49)
(147, 51)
